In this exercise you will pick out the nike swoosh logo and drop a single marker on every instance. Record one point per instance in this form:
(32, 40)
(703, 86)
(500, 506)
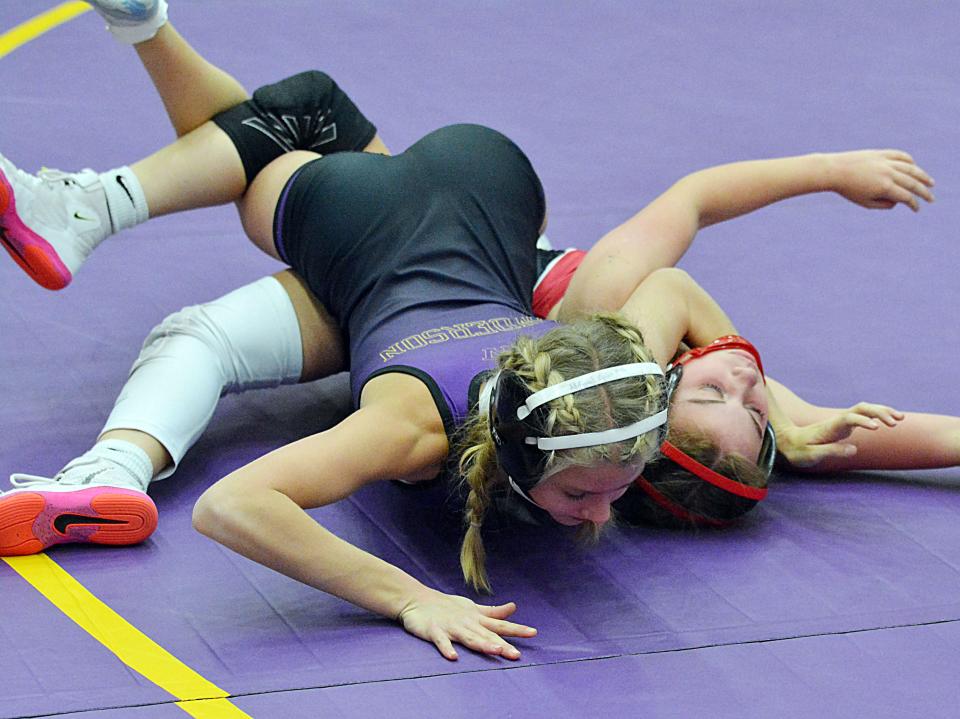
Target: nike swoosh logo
(63, 522)
(85, 219)
(123, 186)
(89, 479)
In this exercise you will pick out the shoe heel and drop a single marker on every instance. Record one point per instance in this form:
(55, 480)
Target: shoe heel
(36, 263)
(35, 256)
(51, 275)
(18, 516)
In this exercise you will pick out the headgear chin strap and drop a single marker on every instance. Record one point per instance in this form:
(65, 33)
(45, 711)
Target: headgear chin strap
(718, 480)
(517, 420)
(681, 513)
(768, 447)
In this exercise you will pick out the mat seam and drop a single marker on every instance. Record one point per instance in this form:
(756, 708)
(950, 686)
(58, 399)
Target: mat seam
(559, 662)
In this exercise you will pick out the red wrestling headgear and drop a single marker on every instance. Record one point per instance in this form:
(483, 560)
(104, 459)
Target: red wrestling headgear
(768, 448)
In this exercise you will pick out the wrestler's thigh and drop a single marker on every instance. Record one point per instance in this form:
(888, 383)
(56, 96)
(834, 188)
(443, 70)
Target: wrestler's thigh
(324, 347)
(259, 203)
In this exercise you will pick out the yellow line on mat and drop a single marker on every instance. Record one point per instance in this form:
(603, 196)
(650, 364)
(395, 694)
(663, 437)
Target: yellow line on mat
(198, 697)
(36, 26)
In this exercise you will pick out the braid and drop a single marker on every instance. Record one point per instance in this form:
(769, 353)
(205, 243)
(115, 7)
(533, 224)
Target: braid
(563, 353)
(521, 357)
(541, 368)
(565, 410)
(478, 468)
(629, 333)
(473, 556)
(647, 445)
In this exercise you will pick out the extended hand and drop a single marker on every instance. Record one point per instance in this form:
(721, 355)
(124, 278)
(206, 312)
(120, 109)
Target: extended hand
(446, 618)
(811, 444)
(879, 179)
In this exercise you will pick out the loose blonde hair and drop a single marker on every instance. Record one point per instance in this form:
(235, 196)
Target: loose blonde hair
(568, 351)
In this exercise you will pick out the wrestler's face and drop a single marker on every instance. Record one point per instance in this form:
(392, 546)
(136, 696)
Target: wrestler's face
(584, 494)
(722, 395)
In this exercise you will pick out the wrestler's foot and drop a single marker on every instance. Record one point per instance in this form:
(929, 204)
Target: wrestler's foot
(132, 21)
(50, 222)
(92, 499)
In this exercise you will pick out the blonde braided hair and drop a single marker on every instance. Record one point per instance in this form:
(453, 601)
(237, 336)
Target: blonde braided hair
(568, 351)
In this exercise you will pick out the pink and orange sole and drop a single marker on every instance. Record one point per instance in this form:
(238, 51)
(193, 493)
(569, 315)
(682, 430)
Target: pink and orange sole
(30, 251)
(28, 519)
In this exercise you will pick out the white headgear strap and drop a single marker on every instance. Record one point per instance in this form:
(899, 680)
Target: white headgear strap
(585, 381)
(516, 488)
(609, 436)
(486, 393)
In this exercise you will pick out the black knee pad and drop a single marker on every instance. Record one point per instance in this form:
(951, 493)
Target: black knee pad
(308, 111)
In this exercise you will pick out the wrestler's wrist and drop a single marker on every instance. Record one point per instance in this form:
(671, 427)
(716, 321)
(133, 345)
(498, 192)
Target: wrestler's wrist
(824, 172)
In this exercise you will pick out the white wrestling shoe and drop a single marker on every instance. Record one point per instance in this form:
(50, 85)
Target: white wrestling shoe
(132, 21)
(97, 499)
(50, 222)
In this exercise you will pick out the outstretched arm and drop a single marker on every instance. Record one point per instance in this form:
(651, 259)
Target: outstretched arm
(912, 440)
(258, 511)
(659, 235)
(669, 308)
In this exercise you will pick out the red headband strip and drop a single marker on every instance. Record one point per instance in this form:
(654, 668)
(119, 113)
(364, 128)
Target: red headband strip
(675, 509)
(727, 342)
(708, 475)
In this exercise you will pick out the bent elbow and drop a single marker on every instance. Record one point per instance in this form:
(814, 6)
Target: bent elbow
(672, 279)
(671, 274)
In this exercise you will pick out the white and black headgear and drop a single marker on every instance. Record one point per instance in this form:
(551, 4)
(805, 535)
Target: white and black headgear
(517, 420)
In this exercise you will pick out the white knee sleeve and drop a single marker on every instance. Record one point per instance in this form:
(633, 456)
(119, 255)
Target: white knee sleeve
(244, 340)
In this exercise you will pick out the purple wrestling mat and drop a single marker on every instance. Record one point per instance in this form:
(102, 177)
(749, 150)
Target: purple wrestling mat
(838, 597)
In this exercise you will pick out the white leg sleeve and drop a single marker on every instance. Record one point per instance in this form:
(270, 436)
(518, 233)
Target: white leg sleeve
(247, 339)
